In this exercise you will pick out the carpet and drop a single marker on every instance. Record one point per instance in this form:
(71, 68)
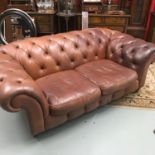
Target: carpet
(145, 97)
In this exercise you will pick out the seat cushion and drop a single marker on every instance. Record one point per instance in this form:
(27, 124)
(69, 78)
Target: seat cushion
(67, 91)
(109, 76)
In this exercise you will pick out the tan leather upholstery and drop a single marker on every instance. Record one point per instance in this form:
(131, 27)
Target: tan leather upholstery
(108, 75)
(45, 55)
(59, 77)
(67, 91)
(131, 52)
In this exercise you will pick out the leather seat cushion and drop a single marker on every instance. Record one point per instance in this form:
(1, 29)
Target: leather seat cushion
(108, 75)
(67, 91)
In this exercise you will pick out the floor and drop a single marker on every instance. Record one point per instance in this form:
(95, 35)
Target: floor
(109, 130)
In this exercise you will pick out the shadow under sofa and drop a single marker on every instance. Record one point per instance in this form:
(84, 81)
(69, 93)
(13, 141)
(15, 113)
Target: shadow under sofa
(57, 78)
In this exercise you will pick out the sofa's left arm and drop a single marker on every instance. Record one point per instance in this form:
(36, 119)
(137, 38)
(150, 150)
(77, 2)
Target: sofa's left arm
(133, 53)
(19, 91)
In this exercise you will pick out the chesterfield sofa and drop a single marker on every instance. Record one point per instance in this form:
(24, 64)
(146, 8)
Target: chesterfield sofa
(57, 78)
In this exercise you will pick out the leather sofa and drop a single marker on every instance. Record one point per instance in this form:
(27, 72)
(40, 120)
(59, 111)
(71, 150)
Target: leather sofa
(57, 78)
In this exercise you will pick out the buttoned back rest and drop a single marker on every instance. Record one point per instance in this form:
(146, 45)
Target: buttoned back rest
(41, 56)
(131, 52)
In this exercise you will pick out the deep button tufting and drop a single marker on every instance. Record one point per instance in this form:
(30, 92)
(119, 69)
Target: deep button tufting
(72, 60)
(42, 67)
(1, 79)
(134, 63)
(96, 54)
(76, 45)
(33, 43)
(17, 46)
(19, 81)
(46, 53)
(88, 43)
(133, 51)
(121, 46)
(90, 33)
(85, 56)
(99, 41)
(29, 55)
(112, 51)
(58, 63)
(62, 49)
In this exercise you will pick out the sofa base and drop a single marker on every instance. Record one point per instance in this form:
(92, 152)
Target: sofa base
(54, 121)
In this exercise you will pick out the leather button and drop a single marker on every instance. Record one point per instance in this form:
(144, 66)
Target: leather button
(42, 67)
(84, 56)
(88, 43)
(19, 82)
(29, 55)
(46, 53)
(76, 45)
(17, 46)
(62, 49)
(99, 41)
(33, 43)
(96, 54)
(72, 60)
(58, 63)
(1, 79)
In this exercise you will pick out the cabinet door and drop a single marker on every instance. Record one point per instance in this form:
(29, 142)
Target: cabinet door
(44, 23)
(139, 11)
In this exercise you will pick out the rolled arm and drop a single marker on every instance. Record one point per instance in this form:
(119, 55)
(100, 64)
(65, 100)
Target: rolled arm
(133, 53)
(14, 81)
(19, 91)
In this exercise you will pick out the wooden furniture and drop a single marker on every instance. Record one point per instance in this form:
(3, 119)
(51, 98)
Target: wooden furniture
(115, 22)
(45, 22)
(4, 6)
(151, 32)
(92, 7)
(139, 12)
(25, 5)
(98, 6)
(138, 9)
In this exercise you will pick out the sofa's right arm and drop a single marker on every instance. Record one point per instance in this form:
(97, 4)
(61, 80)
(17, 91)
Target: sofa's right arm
(19, 91)
(131, 52)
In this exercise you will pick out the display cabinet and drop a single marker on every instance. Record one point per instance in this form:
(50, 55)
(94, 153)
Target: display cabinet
(115, 22)
(25, 5)
(45, 22)
(66, 14)
(139, 12)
